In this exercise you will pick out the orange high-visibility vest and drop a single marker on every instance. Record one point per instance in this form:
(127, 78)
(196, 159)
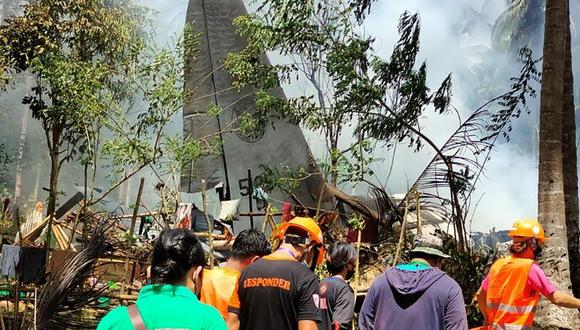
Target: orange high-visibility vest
(510, 304)
(218, 284)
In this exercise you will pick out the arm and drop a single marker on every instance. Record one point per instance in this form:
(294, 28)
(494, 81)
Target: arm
(233, 321)
(366, 317)
(307, 310)
(538, 280)
(307, 325)
(481, 297)
(564, 299)
(455, 314)
(344, 308)
(116, 319)
(215, 321)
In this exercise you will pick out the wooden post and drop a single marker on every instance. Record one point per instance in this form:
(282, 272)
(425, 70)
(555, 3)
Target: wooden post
(418, 206)
(35, 304)
(16, 298)
(402, 235)
(266, 218)
(2, 320)
(357, 261)
(75, 224)
(209, 224)
(320, 199)
(131, 231)
(250, 197)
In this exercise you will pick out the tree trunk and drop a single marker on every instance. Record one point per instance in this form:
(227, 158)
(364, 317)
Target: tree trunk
(20, 158)
(53, 185)
(570, 168)
(551, 204)
(54, 134)
(21, 146)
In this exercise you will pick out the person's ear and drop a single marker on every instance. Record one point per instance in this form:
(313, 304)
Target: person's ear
(197, 281)
(197, 272)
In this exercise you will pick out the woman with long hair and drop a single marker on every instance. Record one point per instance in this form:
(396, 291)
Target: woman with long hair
(170, 300)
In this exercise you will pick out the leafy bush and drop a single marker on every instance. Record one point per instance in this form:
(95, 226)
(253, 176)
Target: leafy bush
(468, 268)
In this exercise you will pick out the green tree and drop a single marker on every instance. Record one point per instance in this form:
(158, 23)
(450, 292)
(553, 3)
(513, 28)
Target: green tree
(348, 88)
(78, 52)
(103, 93)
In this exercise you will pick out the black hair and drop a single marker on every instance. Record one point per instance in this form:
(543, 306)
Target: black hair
(175, 252)
(339, 255)
(423, 255)
(250, 243)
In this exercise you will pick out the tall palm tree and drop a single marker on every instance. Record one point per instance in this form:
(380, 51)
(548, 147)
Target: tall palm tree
(570, 168)
(551, 203)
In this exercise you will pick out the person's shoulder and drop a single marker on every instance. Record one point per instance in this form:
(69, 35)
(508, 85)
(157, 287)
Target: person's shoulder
(338, 284)
(211, 317)
(117, 318)
(207, 310)
(536, 268)
(450, 282)
(380, 281)
(537, 272)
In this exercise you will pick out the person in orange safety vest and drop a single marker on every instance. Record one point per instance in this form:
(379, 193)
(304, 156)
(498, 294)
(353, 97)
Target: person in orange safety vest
(218, 284)
(509, 294)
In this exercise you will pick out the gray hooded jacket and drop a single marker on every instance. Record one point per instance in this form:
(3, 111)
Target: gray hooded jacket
(422, 299)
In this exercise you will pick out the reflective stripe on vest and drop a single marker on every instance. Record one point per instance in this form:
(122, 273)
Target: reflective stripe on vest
(511, 327)
(510, 303)
(513, 309)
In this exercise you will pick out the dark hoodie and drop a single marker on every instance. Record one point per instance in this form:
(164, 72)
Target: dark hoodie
(423, 300)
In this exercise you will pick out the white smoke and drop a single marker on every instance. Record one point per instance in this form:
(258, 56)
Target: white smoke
(455, 38)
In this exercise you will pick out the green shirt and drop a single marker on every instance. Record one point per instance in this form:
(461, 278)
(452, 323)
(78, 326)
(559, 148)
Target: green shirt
(166, 306)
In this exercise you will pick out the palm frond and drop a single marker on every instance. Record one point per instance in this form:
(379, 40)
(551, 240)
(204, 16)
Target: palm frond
(64, 294)
(468, 149)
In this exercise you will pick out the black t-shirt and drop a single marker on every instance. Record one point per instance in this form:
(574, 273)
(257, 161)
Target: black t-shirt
(336, 304)
(275, 294)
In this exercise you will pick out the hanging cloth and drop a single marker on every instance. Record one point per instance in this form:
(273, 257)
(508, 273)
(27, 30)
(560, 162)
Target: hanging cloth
(9, 260)
(183, 216)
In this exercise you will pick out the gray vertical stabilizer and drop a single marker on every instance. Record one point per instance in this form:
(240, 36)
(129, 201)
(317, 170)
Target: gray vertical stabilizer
(209, 83)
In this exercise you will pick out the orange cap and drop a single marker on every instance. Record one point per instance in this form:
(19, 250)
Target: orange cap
(528, 228)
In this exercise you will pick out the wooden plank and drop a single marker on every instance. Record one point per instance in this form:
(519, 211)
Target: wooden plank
(36, 229)
(57, 234)
(140, 215)
(69, 205)
(66, 238)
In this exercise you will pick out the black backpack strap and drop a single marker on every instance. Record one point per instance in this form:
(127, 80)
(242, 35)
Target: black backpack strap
(135, 317)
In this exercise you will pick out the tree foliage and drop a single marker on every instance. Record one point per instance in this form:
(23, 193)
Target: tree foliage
(79, 52)
(103, 92)
(348, 88)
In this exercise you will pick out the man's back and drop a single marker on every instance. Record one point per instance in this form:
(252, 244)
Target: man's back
(218, 286)
(336, 304)
(275, 293)
(426, 299)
